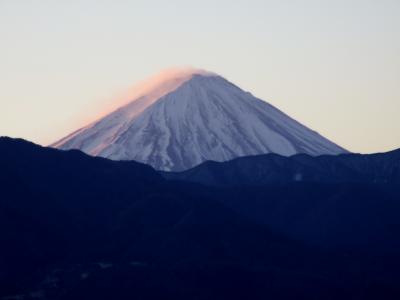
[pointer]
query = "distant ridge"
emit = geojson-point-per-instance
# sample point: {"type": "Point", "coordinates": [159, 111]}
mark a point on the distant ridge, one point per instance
{"type": "Point", "coordinates": [273, 168]}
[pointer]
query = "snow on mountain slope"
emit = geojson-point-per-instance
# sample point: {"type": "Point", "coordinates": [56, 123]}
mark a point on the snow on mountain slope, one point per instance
{"type": "Point", "coordinates": [193, 116]}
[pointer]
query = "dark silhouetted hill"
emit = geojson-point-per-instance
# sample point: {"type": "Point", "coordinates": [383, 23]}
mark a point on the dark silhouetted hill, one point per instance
{"type": "Point", "coordinates": [78, 227]}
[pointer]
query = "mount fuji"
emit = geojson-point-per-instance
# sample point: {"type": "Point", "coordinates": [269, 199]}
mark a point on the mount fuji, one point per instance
{"type": "Point", "coordinates": [183, 118]}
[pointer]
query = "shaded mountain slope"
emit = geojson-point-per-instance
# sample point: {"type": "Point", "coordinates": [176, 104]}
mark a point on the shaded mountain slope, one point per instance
{"type": "Point", "coordinates": [77, 227]}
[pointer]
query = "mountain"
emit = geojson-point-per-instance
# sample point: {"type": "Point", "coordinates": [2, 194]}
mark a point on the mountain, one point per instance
{"type": "Point", "coordinates": [74, 226]}
{"type": "Point", "coordinates": [185, 118]}
{"type": "Point", "coordinates": [273, 169]}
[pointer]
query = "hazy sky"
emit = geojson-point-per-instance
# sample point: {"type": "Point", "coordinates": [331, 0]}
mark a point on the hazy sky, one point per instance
{"type": "Point", "coordinates": [332, 65]}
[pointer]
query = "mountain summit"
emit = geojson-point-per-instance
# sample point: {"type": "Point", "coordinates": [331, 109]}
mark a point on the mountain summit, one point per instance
{"type": "Point", "coordinates": [183, 118]}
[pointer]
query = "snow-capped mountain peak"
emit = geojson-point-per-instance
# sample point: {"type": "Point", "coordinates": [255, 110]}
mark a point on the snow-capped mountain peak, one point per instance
{"type": "Point", "coordinates": [181, 118]}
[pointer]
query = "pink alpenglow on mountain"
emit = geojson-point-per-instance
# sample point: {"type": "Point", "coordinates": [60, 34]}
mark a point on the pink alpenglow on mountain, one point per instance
{"type": "Point", "coordinates": [183, 118]}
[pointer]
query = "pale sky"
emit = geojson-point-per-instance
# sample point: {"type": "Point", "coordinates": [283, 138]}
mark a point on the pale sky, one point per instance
{"type": "Point", "coordinates": [332, 65]}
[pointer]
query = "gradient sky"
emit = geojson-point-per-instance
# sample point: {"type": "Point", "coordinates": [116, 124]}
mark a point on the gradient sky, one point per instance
{"type": "Point", "coordinates": [332, 65]}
